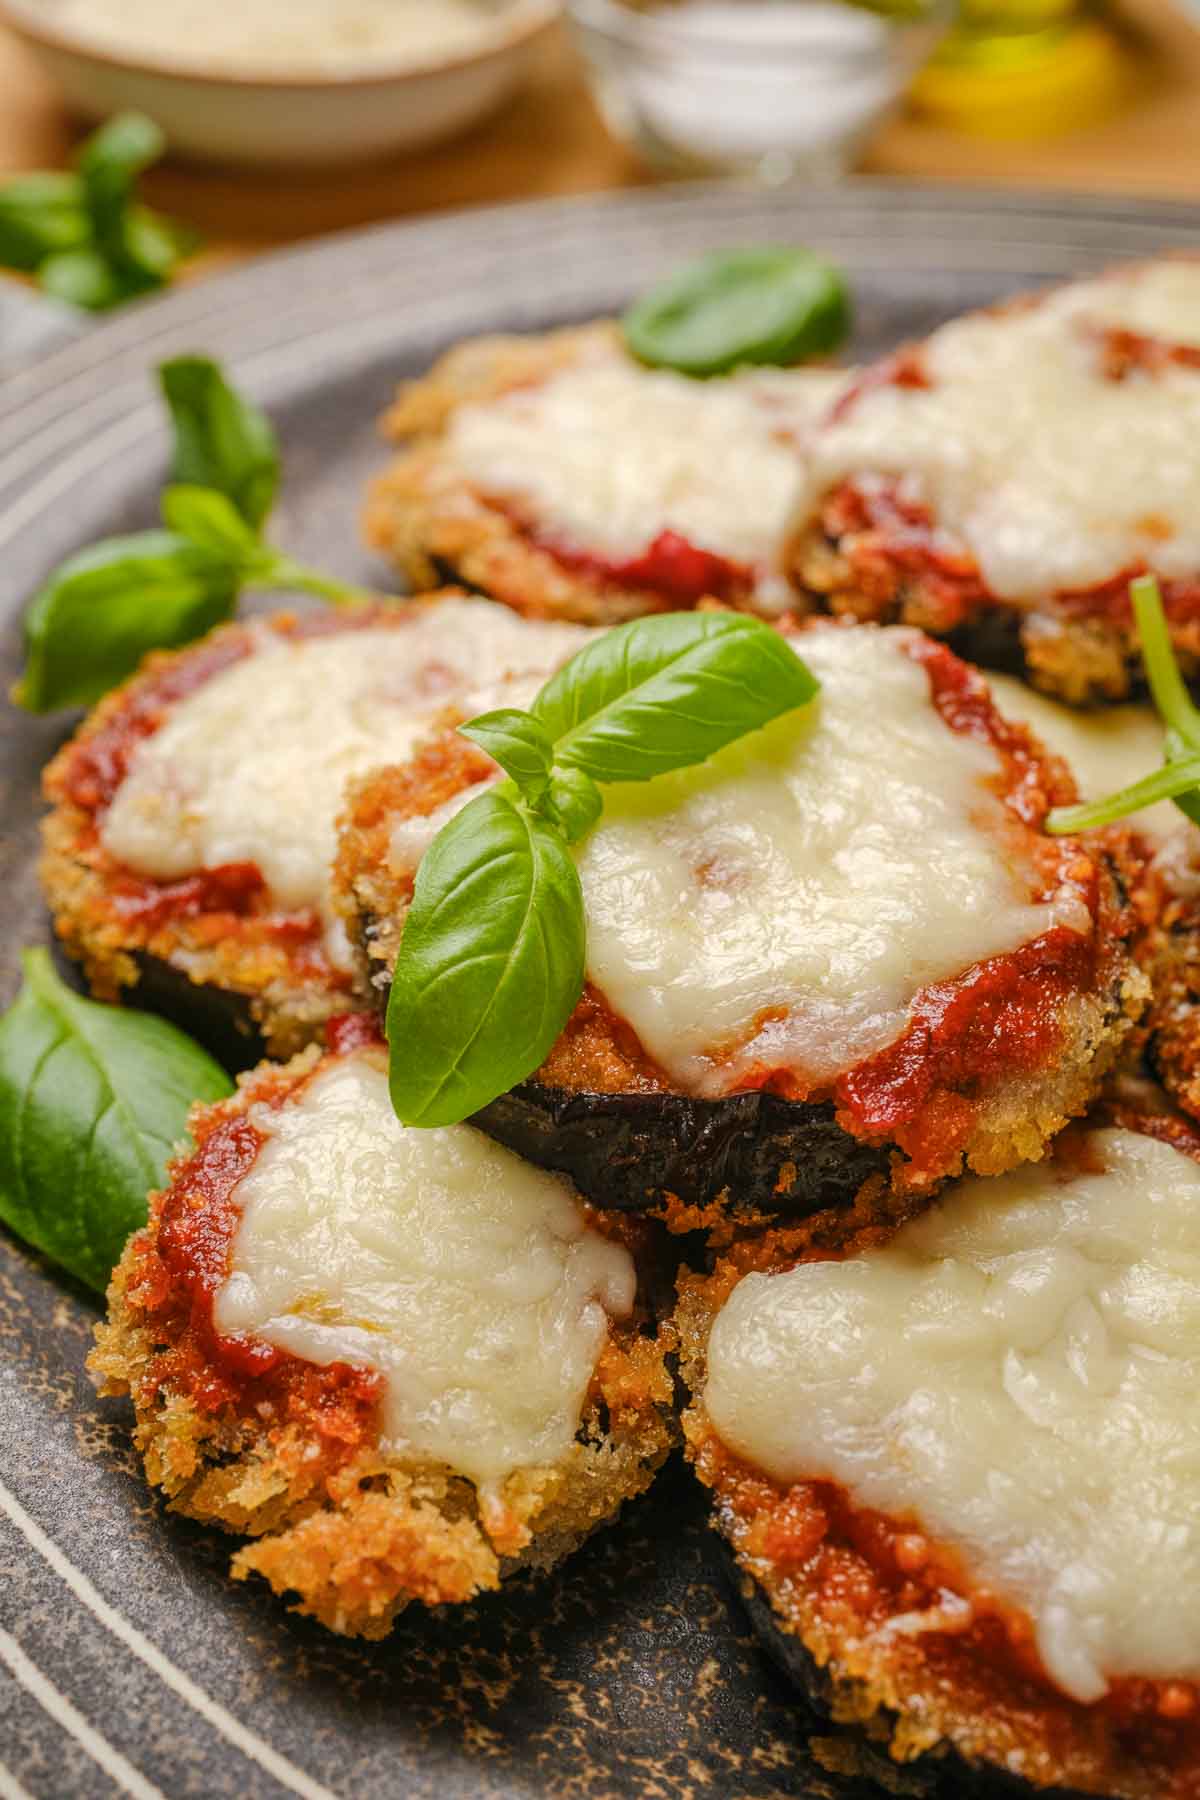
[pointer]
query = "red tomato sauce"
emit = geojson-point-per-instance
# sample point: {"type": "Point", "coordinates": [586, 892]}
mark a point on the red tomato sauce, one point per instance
{"type": "Point", "coordinates": [680, 572]}
{"type": "Point", "coordinates": [181, 1268]}
{"type": "Point", "coordinates": [1002, 1015]}
{"type": "Point", "coordinates": [218, 903]}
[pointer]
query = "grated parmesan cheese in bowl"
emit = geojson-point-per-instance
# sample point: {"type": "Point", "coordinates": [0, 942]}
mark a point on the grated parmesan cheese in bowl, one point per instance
{"type": "Point", "coordinates": [287, 83]}
{"type": "Point", "coordinates": [321, 37]}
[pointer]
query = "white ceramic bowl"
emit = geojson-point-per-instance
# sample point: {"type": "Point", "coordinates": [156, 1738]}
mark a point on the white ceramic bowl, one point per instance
{"type": "Point", "coordinates": [287, 120]}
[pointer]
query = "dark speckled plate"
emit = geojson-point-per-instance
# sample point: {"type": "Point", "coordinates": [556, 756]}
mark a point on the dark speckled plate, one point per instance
{"type": "Point", "coordinates": [128, 1661]}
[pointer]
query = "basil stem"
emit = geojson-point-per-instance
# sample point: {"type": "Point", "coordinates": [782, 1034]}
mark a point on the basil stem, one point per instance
{"type": "Point", "coordinates": [1179, 778]}
{"type": "Point", "coordinates": [279, 571]}
{"type": "Point", "coordinates": [492, 955]}
{"type": "Point", "coordinates": [761, 305]}
{"type": "Point", "coordinates": [93, 1101]}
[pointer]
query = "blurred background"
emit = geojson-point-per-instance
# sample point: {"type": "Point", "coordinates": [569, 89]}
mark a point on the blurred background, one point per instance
{"type": "Point", "coordinates": [289, 118]}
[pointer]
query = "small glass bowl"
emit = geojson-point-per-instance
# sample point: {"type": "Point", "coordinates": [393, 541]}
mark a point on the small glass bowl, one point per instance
{"type": "Point", "coordinates": [772, 90]}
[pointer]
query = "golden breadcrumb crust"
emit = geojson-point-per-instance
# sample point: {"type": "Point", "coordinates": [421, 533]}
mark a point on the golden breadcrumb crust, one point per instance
{"type": "Point", "coordinates": [824, 1579]}
{"type": "Point", "coordinates": [1080, 659]}
{"type": "Point", "coordinates": [431, 524]}
{"type": "Point", "coordinates": [269, 970]}
{"type": "Point", "coordinates": [291, 1460]}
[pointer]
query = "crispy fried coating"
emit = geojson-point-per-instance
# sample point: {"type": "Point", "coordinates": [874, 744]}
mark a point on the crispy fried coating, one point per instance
{"type": "Point", "coordinates": [291, 1460]}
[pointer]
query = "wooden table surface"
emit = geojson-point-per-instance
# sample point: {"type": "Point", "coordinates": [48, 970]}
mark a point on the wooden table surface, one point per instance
{"type": "Point", "coordinates": [551, 141]}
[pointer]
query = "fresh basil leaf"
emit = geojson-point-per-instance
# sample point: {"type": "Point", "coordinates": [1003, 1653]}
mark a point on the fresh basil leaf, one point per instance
{"type": "Point", "coordinates": [575, 801]}
{"type": "Point", "coordinates": [85, 278]}
{"type": "Point", "coordinates": [491, 962]}
{"type": "Point", "coordinates": [93, 1101]}
{"type": "Point", "coordinates": [109, 164]}
{"type": "Point", "coordinates": [213, 524]}
{"type": "Point", "coordinates": [764, 305]}
{"type": "Point", "coordinates": [102, 610]}
{"type": "Point", "coordinates": [519, 744]}
{"type": "Point", "coordinates": [40, 216]}
{"type": "Point", "coordinates": [664, 692]}
{"type": "Point", "coordinates": [156, 244]}
{"type": "Point", "coordinates": [222, 440]}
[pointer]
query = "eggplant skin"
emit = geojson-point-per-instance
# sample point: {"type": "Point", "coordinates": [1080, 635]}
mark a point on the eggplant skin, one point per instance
{"type": "Point", "coordinates": [220, 1019]}
{"type": "Point", "coordinates": [632, 1151]}
{"type": "Point", "coordinates": [943, 1774]}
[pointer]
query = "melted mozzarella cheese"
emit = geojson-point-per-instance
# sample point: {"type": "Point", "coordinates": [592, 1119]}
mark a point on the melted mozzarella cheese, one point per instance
{"type": "Point", "coordinates": [783, 903]}
{"type": "Point", "coordinates": [1017, 1370]}
{"type": "Point", "coordinates": [1105, 750]}
{"type": "Point", "coordinates": [253, 765]}
{"type": "Point", "coordinates": [1052, 475]}
{"type": "Point", "coordinates": [607, 455]}
{"type": "Point", "coordinates": [465, 1276]}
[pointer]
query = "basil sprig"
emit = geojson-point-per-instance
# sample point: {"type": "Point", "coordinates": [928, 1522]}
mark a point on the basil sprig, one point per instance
{"type": "Point", "coordinates": [1179, 778]}
{"type": "Point", "coordinates": [769, 304]}
{"type": "Point", "coordinates": [83, 233]}
{"type": "Point", "coordinates": [103, 609]}
{"type": "Point", "coordinates": [93, 1101]}
{"type": "Point", "coordinates": [492, 956]}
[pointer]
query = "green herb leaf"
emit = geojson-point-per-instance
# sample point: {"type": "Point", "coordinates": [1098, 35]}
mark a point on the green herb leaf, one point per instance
{"type": "Point", "coordinates": [664, 692]}
{"type": "Point", "coordinates": [109, 164]}
{"type": "Point", "coordinates": [764, 305]}
{"type": "Point", "coordinates": [491, 961]}
{"type": "Point", "coordinates": [93, 1100]}
{"type": "Point", "coordinates": [222, 440]}
{"type": "Point", "coordinates": [519, 744]}
{"type": "Point", "coordinates": [211, 522]}
{"type": "Point", "coordinates": [40, 216]}
{"type": "Point", "coordinates": [102, 610]}
{"type": "Point", "coordinates": [1179, 778]}
{"type": "Point", "coordinates": [156, 243]}
{"type": "Point", "coordinates": [575, 801]}
{"type": "Point", "coordinates": [85, 278]}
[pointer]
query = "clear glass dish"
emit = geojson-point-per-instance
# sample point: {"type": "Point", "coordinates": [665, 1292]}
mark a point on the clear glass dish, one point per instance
{"type": "Point", "coordinates": [773, 90]}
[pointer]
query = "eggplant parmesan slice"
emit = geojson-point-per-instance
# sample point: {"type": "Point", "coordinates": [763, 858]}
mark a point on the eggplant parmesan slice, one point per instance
{"type": "Point", "coordinates": [559, 475]}
{"type": "Point", "coordinates": [193, 825]}
{"type": "Point", "coordinates": [840, 956]}
{"type": "Point", "coordinates": [999, 483]}
{"type": "Point", "coordinates": [959, 1468]}
{"type": "Point", "coordinates": [404, 1364]}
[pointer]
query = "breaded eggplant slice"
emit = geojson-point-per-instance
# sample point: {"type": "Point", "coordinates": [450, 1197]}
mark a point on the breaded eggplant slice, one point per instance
{"type": "Point", "coordinates": [404, 1364]}
{"type": "Point", "coordinates": [959, 1470]}
{"type": "Point", "coordinates": [187, 854]}
{"type": "Point", "coordinates": [842, 952]}
{"type": "Point", "coordinates": [557, 474]}
{"type": "Point", "coordinates": [999, 483]}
